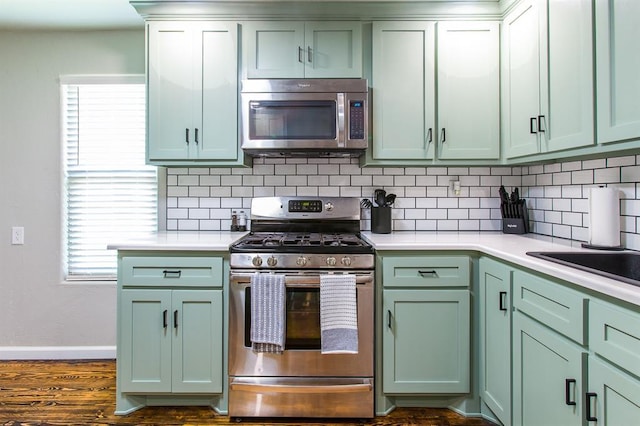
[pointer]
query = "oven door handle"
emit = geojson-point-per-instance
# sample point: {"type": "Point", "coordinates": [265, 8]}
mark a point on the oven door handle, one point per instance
{"type": "Point", "coordinates": [311, 280]}
{"type": "Point", "coordinates": [309, 387]}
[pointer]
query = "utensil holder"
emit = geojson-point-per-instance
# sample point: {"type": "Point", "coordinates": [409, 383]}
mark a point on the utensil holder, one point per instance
{"type": "Point", "coordinates": [381, 220]}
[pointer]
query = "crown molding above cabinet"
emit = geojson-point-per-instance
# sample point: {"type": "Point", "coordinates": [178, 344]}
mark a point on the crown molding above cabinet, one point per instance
{"type": "Point", "coordinates": [329, 9]}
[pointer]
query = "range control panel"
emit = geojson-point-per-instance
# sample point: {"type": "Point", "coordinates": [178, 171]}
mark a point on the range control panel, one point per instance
{"type": "Point", "coordinates": [356, 120]}
{"type": "Point", "coordinates": [305, 206]}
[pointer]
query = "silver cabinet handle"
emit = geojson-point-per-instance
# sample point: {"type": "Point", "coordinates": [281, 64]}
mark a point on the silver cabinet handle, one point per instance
{"type": "Point", "coordinates": [309, 55]}
{"type": "Point", "coordinates": [300, 54]}
{"type": "Point", "coordinates": [429, 273]}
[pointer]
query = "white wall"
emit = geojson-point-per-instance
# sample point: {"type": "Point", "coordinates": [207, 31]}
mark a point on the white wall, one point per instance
{"type": "Point", "coordinates": [36, 308]}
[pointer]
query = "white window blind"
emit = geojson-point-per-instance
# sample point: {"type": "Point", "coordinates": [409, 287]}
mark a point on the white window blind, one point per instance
{"type": "Point", "coordinates": [110, 194]}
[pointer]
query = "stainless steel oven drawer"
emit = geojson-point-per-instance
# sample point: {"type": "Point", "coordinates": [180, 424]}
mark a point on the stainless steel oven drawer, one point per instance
{"type": "Point", "coordinates": [301, 397]}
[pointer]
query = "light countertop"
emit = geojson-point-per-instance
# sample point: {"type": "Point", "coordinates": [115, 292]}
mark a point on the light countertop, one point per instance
{"type": "Point", "coordinates": [180, 240]}
{"type": "Point", "coordinates": [510, 248]}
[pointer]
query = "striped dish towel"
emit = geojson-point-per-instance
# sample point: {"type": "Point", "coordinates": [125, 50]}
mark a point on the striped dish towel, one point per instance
{"type": "Point", "coordinates": [267, 313]}
{"type": "Point", "coordinates": [338, 314]}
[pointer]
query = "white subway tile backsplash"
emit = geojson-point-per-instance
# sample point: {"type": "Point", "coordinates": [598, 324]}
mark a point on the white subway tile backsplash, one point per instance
{"type": "Point", "coordinates": [557, 194]}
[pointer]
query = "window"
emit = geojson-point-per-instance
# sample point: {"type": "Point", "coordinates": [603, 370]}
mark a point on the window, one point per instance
{"type": "Point", "coordinates": [109, 192]}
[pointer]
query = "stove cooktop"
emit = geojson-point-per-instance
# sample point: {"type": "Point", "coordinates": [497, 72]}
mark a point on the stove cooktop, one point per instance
{"type": "Point", "coordinates": [276, 242]}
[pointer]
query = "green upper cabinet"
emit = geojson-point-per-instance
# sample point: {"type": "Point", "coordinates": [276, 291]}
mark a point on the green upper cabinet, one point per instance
{"type": "Point", "coordinates": [283, 49]}
{"type": "Point", "coordinates": [403, 90]}
{"type": "Point", "coordinates": [468, 107]}
{"type": "Point", "coordinates": [548, 97]}
{"type": "Point", "coordinates": [192, 93]}
{"type": "Point", "coordinates": [407, 126]}
{"type": "Point", "coordinates": [618, 68]}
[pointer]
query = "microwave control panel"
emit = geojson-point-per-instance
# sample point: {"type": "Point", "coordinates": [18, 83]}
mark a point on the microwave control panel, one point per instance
{"type": "Point", "coordinates": [356, 120]}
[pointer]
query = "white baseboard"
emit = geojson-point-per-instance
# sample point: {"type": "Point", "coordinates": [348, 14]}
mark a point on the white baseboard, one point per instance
{"type": "Point", "coordinates": [56, 352]}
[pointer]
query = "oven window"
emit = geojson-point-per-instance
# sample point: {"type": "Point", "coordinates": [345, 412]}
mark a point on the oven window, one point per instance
{"type": "Point", "coordinates": [302, 322]}
{"type": "Point", "coordinates": [292, 120]}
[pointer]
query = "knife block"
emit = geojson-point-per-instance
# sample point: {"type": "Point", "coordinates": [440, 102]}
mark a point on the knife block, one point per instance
{"type": "Point", "coordinates": [381, 220]}
{"type": "Point", "coordinates": [514, 226]}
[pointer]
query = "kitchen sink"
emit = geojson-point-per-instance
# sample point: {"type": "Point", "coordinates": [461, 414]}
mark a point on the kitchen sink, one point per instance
{"type": "Point", "coordinates": [623, 266]}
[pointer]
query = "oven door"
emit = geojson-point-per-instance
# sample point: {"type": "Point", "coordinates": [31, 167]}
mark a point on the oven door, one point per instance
{"type": "Point", "coordinates": [302, 356]}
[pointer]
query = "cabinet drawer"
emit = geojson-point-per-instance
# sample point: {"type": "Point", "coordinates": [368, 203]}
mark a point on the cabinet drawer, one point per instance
{"type": "Point", "coordinates": [425, 271]}
{"type": "Point", "coordinates": [172, 271]}
{"type": "Point", "coordinates": [614, 333]}
{"type": "Point", "coordinates": [549, 302]}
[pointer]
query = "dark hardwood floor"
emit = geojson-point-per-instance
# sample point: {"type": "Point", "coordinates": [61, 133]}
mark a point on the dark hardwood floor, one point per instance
{"type": "Point", "coordinates": [83, 393]}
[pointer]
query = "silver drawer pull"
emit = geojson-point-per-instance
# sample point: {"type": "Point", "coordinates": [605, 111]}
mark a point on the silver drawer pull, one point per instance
{"type": "Point", "coordinates": [428, 274]}
{"type": "Point", "coordinates": [169, 273]}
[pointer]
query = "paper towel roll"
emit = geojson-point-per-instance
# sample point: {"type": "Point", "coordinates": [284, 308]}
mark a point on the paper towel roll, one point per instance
{"type": "Point", "coordinates": [604, 217]}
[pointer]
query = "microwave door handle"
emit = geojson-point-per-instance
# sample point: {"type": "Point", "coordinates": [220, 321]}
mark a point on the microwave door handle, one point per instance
{"type": "Point", "coordinates": [341, 120]}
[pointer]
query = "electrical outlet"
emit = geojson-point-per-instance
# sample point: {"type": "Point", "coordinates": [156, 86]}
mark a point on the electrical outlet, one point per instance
{"type": "Point", "coordinates": [17, 235]}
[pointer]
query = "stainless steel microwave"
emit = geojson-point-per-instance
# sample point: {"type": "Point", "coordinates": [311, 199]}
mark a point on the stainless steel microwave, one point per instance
{"type": "Point", "coordinates": [305, 117]}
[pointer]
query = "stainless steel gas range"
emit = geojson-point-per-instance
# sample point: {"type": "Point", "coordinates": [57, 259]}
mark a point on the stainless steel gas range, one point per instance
{"type": "Point", "coordinates": [301, 239]}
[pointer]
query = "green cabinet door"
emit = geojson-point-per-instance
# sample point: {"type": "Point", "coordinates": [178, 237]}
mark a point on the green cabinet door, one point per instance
{"type": "Point", "coordinates": [618, 66]}
{"type": "Point", "coordinates": [548, 376]}
{"type": "Point", "coordinates": [333, 49]}
{"type": "Point", "coordinates": [468, 90]}
{"type": "Point", "coordinates": [285, 49]}
{"type": "Point", "coordinates": [273, 49]}
{"type": "Point", "coordinates": [192, 88]}
{"type": "Point", "coordinates": [613, 398]}
{"type": "Point", "coordinates": [144, 351]}
{"type": "Point", "coordinates": [566, 97]}
{"type": "Point", "coordinates": [521, 81]}
{"type": "Point", "coordinates": [170, 83]}
{"type": "Point", "coordinates": [216, 96]}
{"type": "Point", "coordinates": [426, 341]}
{"type": "Point", "coordinates": [171, 341]}
{"type": "Point", "coordinates": [403, 90]}
{"type": "Point", "coordinates": [495, 338]}
{"type": "Point", "coordinates": [197, 345]}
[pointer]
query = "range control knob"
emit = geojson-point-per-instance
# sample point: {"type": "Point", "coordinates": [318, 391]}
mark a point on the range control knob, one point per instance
{"type": "Point", "coordinates": [257, 261]}
{"type": "Point", "coordinates": [272, 261]}
{"type": "Point", "coordinates": [328, 207]}
{"type": "Point", "coordinates": [331, 261]}
{"type": "Point", "coordinates": [301, 261]}
{"type": "Point", "coordinates": [346, 261]}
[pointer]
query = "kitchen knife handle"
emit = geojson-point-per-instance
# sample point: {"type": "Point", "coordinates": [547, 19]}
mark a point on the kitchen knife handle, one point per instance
{"type": "Point", "coordinates": [589, 415]}
{"type": "Point", "coordinates": [175, 319]}
{"type": "Point", "coordinates": [186, 136]}
{"type": "Point", "coordinates": [533, 123]}
{"type": "Point", "coordinates": [164, 319]}
{"type": "Point", "coordinates": [502, 295]}
{"type": "Point", "coordinates": [567, 391]}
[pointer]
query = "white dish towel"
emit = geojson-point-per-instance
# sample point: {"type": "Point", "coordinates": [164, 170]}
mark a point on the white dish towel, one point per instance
{"type": "Point", "coordinates": [268, 317]}
{"type": "Point", "coordinates": [338, 314]}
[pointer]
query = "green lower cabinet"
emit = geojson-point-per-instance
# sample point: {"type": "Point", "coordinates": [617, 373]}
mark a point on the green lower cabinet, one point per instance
{"type": "Point", "coordinates": [426, 341]}
{"type": "Point", "coordinates": [495, 338]}
{"type": "Point", "coordinates": [548, 376]}
{"type": "Point", "coordinates": [171, 341]}
{"type": "Point", "coordinates": [614, 397]}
